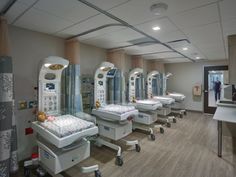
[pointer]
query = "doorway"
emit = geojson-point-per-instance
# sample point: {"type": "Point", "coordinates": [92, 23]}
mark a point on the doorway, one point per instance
{"type": "Point", "coordinates": [215, 79]}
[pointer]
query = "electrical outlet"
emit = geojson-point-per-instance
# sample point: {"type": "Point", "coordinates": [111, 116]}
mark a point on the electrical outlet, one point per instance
{"type": "Point", "coordinates": [32, 104]}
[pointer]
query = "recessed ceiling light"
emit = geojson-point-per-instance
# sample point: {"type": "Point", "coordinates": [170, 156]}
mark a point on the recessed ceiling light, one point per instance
{"type": "Point", "coordinates": [197, 58]}
{"type": "Point", "coordinates": [156, 28]}
{"type": "Point", "coordinates": [185, 48]}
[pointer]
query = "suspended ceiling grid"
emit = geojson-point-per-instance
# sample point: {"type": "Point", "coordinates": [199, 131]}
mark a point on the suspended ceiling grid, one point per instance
{"type": "Point", "coordinates": [204, 23]}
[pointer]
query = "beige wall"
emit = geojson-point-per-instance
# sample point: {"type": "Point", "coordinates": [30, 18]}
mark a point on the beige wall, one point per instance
{"type": "Point", "coordinates": [117, 58]}
{"type": "Point", "coordinates": [128, 66]}
{"type": "Point", "coordinates": [185, 75]}
{"type": "Point", "coordinates": [155, 65]}
{"type": "Point", "coordinates": [90, 58]}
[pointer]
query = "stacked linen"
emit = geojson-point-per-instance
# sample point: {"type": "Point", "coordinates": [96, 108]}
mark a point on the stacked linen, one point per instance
{"type": "Point", "coordinates": [148, 105]}
{"type": "Point", "coordinates": [177, 96]}
{"type": "Point", "coordinates": [147, 102]}
{"type": "Point", "coordinates": [119, 109]}
{"type": "Point", "coordinates": [164, 100]}
{"type": "Point", "coordinates": [66, 125]}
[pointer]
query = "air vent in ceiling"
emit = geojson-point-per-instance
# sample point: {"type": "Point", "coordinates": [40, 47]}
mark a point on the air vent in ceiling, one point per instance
{"type": "Point", "coordinates": [144, 41]}
{"type": "Point", "coordinates": [179, 43]}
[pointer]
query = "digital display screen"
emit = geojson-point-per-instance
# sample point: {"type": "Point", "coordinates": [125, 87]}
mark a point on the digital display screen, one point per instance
{"type": "Point", "coordinates": [111, 73]}
{"type": "Point", "coordinates": [50, 86]}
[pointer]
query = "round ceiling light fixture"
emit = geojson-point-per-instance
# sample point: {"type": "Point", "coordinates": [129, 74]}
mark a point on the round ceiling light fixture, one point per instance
{"type": "Point", "coordinates": [158, 8]}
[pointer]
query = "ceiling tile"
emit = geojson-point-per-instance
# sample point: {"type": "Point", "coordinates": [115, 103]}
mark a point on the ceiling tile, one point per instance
{"type": "Point", "coordinates": [196, 17]}
{"type": "Point", "coordinates": [176, 60]}
{"type": "Point", "coordinates": [16, 10]}
{"type": "Point", "coordinates": [101, 32]}
{"type": "Point", "coordinates": [214, 52]}
{"type": "Point", "coordinates": [106, 44]}
{"type": "Point", "coordinates": [107, 4]}
{"type": "Point", "coordinates": [164, 23]}
{"type": "Point", "coordinates": [42, 22]}
{"type": "Point", "coordinates": [71, 10]}
{"type": "Point", "coordinates": [191, 52]}
{"type": "Point", "coordinates": [229, 27]}
{"type": "Point", "coordinates": [162, 55]}
{"type": "Point", "coordinates": [27, 2]}
{"type": "Point", "coordinates": [227, 8]}
{"type": "Point", "coordinates": [205, 34]}
{"type": "Point", "coordinates": [3, 3]}
{"type": "Point", "coordinates": [139, 50]}
{"type": "Point", "coordinates": [122, 35]}
{"type": "Point", "coordinates": [207, 39]}
{"type": "Point", "coordinates": [89, 24]}
{"type": "Point", "coordinates": [137, 11]}
{"type": "Point", "coordinates": [134, 12]}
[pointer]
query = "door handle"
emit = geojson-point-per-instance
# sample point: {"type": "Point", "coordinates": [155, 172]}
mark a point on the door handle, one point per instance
{"type": "Point", "coordinates": [206, 91]}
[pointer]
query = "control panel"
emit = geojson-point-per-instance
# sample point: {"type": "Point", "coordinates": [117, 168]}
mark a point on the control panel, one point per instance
{"type": "Point", "coordinates": [50, 97]}
{"type": "Point", "coordinates": [152, 80]}
{"type": "Point", "coordinates": [134, 74]}
{"type": "Point", "coordinates": [132, 88]}
{"type": "Point", "coordinates": [50, 85]}
{"type": "Point", "coordinates": [101, 91]}
{"type": "Point", "coordinates": [100, 82]}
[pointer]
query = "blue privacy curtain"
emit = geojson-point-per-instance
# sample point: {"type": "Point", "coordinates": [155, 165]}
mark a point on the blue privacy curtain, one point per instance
{"type": "Point", "coordinates": [8, 141]}
{"type": "Point", "coordinates": [71, 89]}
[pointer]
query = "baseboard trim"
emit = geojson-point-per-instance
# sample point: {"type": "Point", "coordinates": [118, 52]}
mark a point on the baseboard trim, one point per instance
{"type": "Point", "coordinates": [197, 111]}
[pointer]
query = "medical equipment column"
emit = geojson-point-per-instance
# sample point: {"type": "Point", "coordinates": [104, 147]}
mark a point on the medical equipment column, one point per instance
{"type": "Point", "coordinates": [147, 108]}
{"type": "Point", "coordinates": [165, 100]}
{"type": "Point", "coordinates": [179, 98]}
{"type": "Point", "coordinates": [61, 137]}
{"type": "Point", "coordinates": [114, 121]}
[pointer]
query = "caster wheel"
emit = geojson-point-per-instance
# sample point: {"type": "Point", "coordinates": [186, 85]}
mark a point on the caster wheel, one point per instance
{"type": "Point", "coordinates": [162, 130]}
{"type": "Point", "coordinates": [174, 120]}
{"type": "Point", "coordinates": [168, 124]}
{"type": "Point", "coordinates": [119, 161]}
{"type": "Point", "coordinates": [40, 172]}
{"type": "Point", "coordinates": [153, 137]}
{"type": "Point", "coordinates": [98, 173]}
{"type": "Point", "coordinates": [26, 172]}
{"type": "Point", "coordinates": [137, 148]}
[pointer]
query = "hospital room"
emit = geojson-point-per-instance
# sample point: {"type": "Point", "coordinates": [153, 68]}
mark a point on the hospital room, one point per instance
{"type": "Point", "coordinates": [117, 88]}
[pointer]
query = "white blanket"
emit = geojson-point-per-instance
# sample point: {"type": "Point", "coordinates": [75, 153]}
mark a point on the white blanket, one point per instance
{"type": "Point", "coordinates": [177, 96]}
{"type": "Point", "coordinates": [164, 100]}
{"type": "Point", "coordinates": [66, 125]}
{"type": "Point", "coordinates": [119, 109]}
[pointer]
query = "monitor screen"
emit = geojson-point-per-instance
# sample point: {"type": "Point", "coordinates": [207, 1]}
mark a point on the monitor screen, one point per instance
{"type": "Point", "coordinates": [111, 73]}
{"type": "Point", "coordinates": [50, 86]}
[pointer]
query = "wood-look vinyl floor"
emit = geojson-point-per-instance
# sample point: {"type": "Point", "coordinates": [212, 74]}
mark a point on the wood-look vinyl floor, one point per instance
{"type": "Point", "coordinates": [187, 149]}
